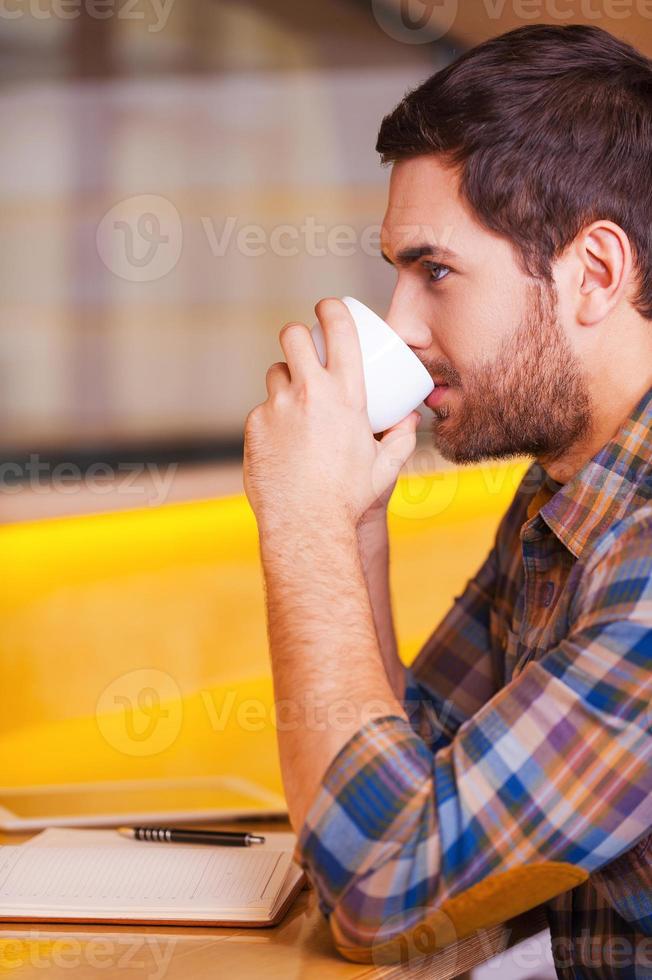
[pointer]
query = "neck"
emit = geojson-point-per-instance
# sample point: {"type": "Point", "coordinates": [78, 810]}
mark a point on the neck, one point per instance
{"type": "Point", "coordinates": [610, 408]}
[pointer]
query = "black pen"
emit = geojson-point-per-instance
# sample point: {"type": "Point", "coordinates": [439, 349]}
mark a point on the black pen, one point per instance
{"type": "Point", "coordinates": [181, 835]}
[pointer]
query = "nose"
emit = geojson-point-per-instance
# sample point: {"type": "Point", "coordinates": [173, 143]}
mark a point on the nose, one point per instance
{"type": "Point", "coordinates": [403, 317]}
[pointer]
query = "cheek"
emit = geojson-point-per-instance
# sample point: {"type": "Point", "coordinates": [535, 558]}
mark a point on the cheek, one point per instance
{"type": "Point", "coordinates": [469, 324]}
{"type": "Point", "coordinates": [482, 317]}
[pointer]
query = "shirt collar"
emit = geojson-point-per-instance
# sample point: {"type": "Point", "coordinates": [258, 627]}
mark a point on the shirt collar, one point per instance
{"type": "Point", "coordinates": [616, 480]}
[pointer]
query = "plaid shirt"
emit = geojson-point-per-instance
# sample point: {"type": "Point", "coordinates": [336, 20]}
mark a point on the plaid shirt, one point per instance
{"type": "Point", "coordinates": [529, 736]}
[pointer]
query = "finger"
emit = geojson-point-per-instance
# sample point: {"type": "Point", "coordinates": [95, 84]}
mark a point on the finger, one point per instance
{"type": "Point", "coordinates": [399, 442]}
{"type": "Point", "coordinates": [300, 352]}
{"type": "Point", "coordinates": [408, 424]}
{"type": "Point", "coordinates": [394, 450]}
{"type": "Point", "coordinates": [277, 378]}
{"type": "Point", "coordinates": [343, 354]}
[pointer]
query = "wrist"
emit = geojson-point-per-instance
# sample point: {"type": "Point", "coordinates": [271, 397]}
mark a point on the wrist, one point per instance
{"type": "Point", "coordinates": [373, 546]}
{"type": "Point", "coordinates": [372, 529]}
{"type": "Point", "coordinates": [300, 542]}
{"type": "Point", "coordinates": [374, 518]}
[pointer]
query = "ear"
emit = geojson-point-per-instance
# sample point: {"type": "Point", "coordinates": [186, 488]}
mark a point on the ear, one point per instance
{"type": "Point", "coordinates": [606, 263]}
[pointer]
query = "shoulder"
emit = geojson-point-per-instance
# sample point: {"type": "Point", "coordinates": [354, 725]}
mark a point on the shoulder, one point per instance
{"type": "Point", "coordinates": [627, 539]}
{"type": "Point", "coordinates": [617, 573]}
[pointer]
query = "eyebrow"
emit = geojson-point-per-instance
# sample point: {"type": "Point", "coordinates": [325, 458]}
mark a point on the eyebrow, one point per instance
{"type": "Point", "coordinates": [408, 256]}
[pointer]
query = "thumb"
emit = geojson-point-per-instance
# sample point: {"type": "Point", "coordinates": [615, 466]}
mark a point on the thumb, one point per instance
{"type": "Point", "coordinates": [396, 447]}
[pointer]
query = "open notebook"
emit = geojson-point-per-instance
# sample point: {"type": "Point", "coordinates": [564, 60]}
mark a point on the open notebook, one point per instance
{"type": "Point", "coordinates": [98, 876]}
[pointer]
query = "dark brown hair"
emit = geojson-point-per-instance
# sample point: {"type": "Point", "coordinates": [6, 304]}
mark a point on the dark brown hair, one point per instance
{"type": "Point", "coordinates": [551, 129]}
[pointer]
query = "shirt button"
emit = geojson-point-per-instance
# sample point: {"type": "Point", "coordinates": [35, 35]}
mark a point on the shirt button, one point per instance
{"type": "Point", "coordinates": [548, 593]}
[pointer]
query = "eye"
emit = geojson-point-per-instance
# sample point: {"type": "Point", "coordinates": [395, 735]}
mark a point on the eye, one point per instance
{"type": "Point", "coordinates": [436, 270]}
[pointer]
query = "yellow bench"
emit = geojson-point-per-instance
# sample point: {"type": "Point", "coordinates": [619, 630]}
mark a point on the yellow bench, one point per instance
{"type": "Point", "coordinates": [133, 644]}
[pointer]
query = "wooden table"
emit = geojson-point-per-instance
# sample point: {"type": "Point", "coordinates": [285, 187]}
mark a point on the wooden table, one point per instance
{"type": "Point", "coordinates": [299, 948]}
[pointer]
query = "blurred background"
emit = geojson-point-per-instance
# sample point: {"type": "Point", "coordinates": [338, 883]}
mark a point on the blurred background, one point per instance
{"type": "Point", "coordinates": [178, 179]}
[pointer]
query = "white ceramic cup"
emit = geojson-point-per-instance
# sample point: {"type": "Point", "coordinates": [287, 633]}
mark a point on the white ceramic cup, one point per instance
{"type": "Point", "coordinates": [395, 379]}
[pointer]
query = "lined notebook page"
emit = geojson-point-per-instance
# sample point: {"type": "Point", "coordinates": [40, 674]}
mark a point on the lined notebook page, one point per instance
{"type": "Point", "coordinates": [178, 879]}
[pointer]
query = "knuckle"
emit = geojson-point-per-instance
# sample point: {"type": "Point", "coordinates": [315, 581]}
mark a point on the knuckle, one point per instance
{"type": "Point", "coordinates": [253, 418]}
{"type": "Point", "coordinates": [280, 398]}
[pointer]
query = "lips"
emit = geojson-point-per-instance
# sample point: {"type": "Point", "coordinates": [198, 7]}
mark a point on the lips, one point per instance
{"type": "Point", "coordinates": [436, 396]}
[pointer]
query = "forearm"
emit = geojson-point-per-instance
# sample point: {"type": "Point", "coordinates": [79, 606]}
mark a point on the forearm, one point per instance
{"type": "Point", "coordinates": [373, 543]}
{"type": "Point", "coordinates": [328, 672]}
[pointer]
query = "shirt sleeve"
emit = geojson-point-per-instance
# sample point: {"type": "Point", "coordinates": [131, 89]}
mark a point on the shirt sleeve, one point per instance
{"type": "Point", "coordinates": [552, 775]}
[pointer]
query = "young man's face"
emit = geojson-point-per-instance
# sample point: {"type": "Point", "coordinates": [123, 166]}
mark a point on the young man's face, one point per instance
{"type": "Point", "coordinates": [480, 325]}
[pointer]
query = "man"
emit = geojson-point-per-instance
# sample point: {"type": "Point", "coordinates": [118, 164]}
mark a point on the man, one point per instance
{"type": "Point", "coordinates": [511, 766]}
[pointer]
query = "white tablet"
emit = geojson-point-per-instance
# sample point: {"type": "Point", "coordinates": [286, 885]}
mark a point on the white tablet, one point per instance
{"type": "Point", "coordinates": [131, 802]}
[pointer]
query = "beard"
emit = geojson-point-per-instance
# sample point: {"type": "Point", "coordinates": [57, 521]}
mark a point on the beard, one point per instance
{"type": "Point", "coordinates": [532, 399]}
